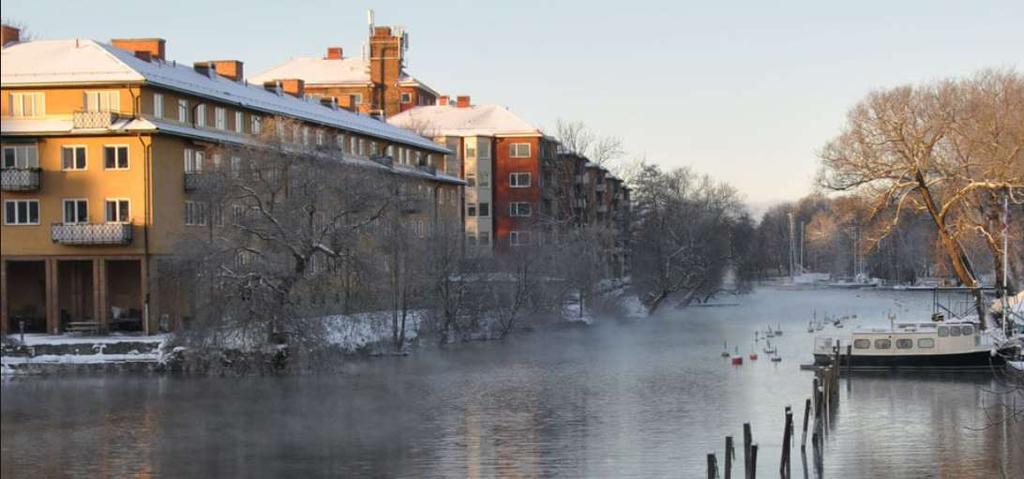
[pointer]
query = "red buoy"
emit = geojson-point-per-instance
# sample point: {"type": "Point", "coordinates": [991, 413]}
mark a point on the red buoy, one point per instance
{"type": "Point", "coordinates": [753, 356]}
{"type": "Point", "coordinates": [738, 360]}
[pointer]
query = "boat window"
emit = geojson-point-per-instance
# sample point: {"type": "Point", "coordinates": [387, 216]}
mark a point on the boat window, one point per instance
{"type": "Point", "coordinates": [954, 330]}
{"type": "Point", "coordinates": [967, 330]}
{"type": "Point", "coordinates": [904, 343]}
{"type": "Point", "coordinates": [943, 331]}
{"type": "Point", "coordinates": [926, 343]}
{"type": "Point", "coordinates": [862, 343]}
{"type": "Point", "coordinates": [883, 344]}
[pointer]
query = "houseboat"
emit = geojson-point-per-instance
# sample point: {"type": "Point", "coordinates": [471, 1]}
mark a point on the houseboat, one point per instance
{"type": "Point", "coordinates": [943, 345]}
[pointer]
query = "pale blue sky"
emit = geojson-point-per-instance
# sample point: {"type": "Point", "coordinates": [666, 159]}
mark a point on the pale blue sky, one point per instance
{"type": "Point", "coordinates": [746, 91]}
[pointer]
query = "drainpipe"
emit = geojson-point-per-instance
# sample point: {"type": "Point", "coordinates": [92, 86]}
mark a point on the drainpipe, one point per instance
{"type": "Point", "coordinates": [147, 158]}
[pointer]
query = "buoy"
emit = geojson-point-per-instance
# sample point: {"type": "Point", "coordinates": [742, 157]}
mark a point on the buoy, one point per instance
{"type": "Point", "coordinates": [753, 356]}
{"type": "Point", "coordinates": [738, 360]}
{"type": "Point", "coordinates": [776, 359]}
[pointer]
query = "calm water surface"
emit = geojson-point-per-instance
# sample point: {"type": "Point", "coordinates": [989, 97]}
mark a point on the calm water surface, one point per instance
{"type": "Point", "coordinates": [644, 398]}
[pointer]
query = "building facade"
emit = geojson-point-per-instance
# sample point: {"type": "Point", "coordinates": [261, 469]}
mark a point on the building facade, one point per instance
{"type": "Point", "coordinates": [373, 82]}
{"type": "Point", "coordinates": [102, 146]}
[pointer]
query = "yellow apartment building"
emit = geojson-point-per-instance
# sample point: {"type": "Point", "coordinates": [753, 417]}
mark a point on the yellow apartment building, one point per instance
{"type": "Point", "coordinates": [101, 146]}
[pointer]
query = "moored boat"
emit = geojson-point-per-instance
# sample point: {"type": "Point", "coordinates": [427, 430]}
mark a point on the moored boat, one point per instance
{"type": "Point", "coordinates": [943, 345]}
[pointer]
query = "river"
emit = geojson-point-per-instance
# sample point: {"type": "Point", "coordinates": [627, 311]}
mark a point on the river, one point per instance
{"type": "Point", "coordinates": [639, 398]}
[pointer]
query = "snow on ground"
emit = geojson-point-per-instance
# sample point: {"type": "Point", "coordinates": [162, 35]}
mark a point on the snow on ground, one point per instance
{"type": "Point", "coordinates": [39, 339]}
{"type": "Point", "coordinates": [356, 331]}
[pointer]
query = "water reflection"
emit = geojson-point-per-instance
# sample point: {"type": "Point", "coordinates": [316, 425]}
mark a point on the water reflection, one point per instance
{"type": "Point", "coordinates": [630, 399]}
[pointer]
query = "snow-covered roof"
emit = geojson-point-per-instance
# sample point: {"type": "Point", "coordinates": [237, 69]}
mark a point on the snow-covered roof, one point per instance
{"type": "Point", "coordinates": [330, 71]}
{"type": "Point", "coordinates": [77, 61]}
{"type": "Point", "coordinates": [476, 120]}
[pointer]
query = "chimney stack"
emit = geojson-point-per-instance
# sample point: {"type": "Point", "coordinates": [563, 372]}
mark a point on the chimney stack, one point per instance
{"type": "Point", "coordinates": [155, 46]}
{"type": "Point", "coordinates": [230, 69]}
{"type": "Point", "coordinates": [462, 101]}
{"type": "Point", "coordinates": [443, 100]}
{"type": "Point", "coordinates": [9, 34]}
{"type": "Point", "coordinates": [292, 86]}
{"type": "Point", "coordinates": [335, 53]}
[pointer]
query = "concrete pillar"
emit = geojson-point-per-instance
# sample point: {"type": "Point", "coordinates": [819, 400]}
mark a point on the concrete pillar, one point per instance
{"type": "Point", "coordinates": [3, 296]}
{"type": "Point", "coordinates": [99, 286]}
{"type": "Point", "coordinates": [144, 290]}
{"type": "Point", "coordinates": [52, 300]}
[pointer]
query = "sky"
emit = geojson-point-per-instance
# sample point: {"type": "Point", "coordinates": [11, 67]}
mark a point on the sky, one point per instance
{"type": "Point", "coordinates": [747, 91]}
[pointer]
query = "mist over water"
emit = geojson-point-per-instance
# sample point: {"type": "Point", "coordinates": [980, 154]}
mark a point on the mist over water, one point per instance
{"type": "Point", "coordinates": [624, 398]}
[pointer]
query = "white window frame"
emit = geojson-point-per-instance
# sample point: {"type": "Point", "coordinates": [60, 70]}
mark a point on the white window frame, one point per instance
{"type": "Point", "coordinates": [85, 157]}
{"type": "Point", "coordinates": [21, 157]}
{"type": "Point", "coordinates": [117, 209]}
{"type": "Point", "coordinates": [480, 235]}
{"type": "Point", "coordinates": [239, 122]}
{"type": "Point", "coordinates": [515, 238]}
{"type": "Point", "coordinates": [515, 209]}
{"type": "Point", "coordinates": [515, 179]}
{"type": "Point", "coordinates": [201, 115]}
{"type": "Point", "coordinates": [117, 166]}
{"type": "Point", "coordinates": [77, 202]}
{"type": "Point", "coordinates": [472, 211]}
{"type": "Point", "coordinates": [256, 124]}
{"type": "Point", "coordinates": [158, 105]}
{"type": "Point", "coordinates": [194, 160]}
{"type": "Point", "coordinates": [195, 213]}
{"type": "Point", "coordinates": [102, 100]}
{"type": "Point", "coordinates": [17, 219]}
{"type": "Point", "coordinates": [220, 118]}
{"type": "Point", "coordinates": [406, 98]}
{"type": "Point", "coordinates": [483, 150]}
{"type": "Point", "coordinates": [480, 205]}
{"type": "Point", "coordinates": [514, 150]}
{"type": "Point", "coordinates": [483, 179]}
{"type": "Point", "coordinates": [357, 99]}
{"type": "Point", "coordinates": [37, 101]}
{"type": "Point", "coordinates": [183, 108]}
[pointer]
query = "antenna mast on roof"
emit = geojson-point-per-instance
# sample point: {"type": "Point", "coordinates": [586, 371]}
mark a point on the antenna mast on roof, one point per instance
{"type": "Point", "coordinates": [369, 20]}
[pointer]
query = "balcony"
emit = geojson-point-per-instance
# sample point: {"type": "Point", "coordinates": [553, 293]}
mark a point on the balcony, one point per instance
{"type": "Point", "coordinates": [20, 179]}
{"type": "Point", "coordinates": [193, 181]}
{"type": "Point", "coordinates": [91, 234]}
{"type": "Point", "coordinates": [601, 187]}
{"type": "Point", "coordinates": [93, 119]}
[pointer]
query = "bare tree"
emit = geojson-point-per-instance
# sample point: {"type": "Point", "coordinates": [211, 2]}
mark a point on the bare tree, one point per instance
{"type": "Point", "coordinates": [914, 148]}
{"type": "Point", "coordinates": [577, 137]}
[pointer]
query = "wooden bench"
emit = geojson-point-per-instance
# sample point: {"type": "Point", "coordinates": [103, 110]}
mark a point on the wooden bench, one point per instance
{"type": "Point", "coordinates": [92, 327]}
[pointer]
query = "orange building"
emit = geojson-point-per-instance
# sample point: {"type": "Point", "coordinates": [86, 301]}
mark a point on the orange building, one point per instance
{"type": "Point", "coordinates": [100, 142]}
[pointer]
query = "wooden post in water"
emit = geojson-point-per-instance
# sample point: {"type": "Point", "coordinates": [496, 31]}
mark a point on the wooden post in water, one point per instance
{"type": "Point", "coordinates": [787, 436]}
{"type": "Point", "coordinates": [753, 461]}
{"type": "Point", "coordinates": [712, 466]}
{"type": "Point", "coordinates": [807, 412]}
{"type": "Point", "coordinates": [730, 454]}
{"type": "Point", "coordinates": [747, 439]}
{"type": "Point", "coordinates": [849, 360]}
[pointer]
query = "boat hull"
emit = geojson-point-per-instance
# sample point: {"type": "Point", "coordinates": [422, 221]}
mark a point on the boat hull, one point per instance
{"type": "Point", "coordinates": [965, 360]}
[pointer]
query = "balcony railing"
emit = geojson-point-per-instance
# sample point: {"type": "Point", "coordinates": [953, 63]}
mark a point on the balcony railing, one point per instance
{"type": "Point", "coordinates": [20, 179]}
{"type": "Point", "coordinates": [193, 180]}
{"type": "Point", "coordinates": [93, 119]}
{"type": "Point", "coordinates": [87, 234]}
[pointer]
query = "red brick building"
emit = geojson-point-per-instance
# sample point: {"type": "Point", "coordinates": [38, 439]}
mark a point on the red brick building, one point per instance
{"type": "Point", "coordinates": [372, 82]}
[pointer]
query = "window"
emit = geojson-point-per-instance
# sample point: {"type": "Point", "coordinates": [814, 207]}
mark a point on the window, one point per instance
{"type": "Point", "coordinates": [319, 137]}
{"type": "Point", "coordinates": [362, 147]}
{"type": "Point", "coordinates": [470, 210]}
{"type": "Point", "coordinates": [21, 156]}
{"type": "Point", "coordinates": [862, 343]}
{"type": "Point", "coordinates": [519, 238]}
{"type": "Point", "coordinates": [72, 157]}
{"type": "Point", "coordinates": [194, 160]}
{"type": "Point", "coordinates": [201, 116]}
{"type": "Point", "coordinates": [471, 180]}
{"type": "Point", "coordinates": [485, 209]}
{"type": "Point", "coordinates": [256, 125]}
{"type": "Point", "coordinates": [904, 343]}
{"type": "Point", "coordinates": [158, 105]}
{"type": "Point", "coordinates": [195, 213]}
{"type": "Point", "coordinates": [406, 97]}
{"type": "Point", "coordinates": [220, 118]}
{"type": "Point", "coordinates": [374, 148]}
{"type": "Point", "coordinates": [954, 331]}
{"type": "Point", "coordinates": [118, 211]}
{"type": "Point", "coordinates": [305, 135]}
{"type": "Point", "coordinates": [339, 140]}
{"type": "Point", "coordinates": [926, 343]}
{"type": "Point", "coordinates": [21, 212]}
{"type": "Point", "coordinates": [967, 330]}
{"type": "Point", "coordinates": [519, 150]}
{"type": "Point", "coordinates": [519, 180]}
{"type": "Point", "coordinates": [356, 98]}
{"type": "Point", "coordinates": [484, 179]}
{"type": "Point", "coordinates": [236, 166]}
{"type": "Point", "coordinates": [883, 344]}
{"type": "Point", "coordinates": [239, 121]}
{"type": "Point", "coordinates": [519, 208]}
{"type": "Point", "coordinates": [109, 100]}
{"type": "Point", "coordinates": [352, 145]}
{"type": "Point", "coordinates": [76, 211]}
{"type": "Point", "coordinates": [470, 152]}
{"type": "Point", "coordinates": [182, 111]}
{"type": "Point", "coordinates": [484, 149]}
{"type": "Point", "coordinates": [484, 238]}
{"type": "Point", "coordinates": [115, 157]}
{"type": "Point", "coordinates": [470, 239]}
{"type": "Point", "coordinates": [943, 331]}
{"type": "Point", "coordinates": [28, 104]}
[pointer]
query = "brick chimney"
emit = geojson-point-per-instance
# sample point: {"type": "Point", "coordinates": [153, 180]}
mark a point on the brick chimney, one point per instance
{"type": "Point", "coordinates": [9, 34]}
{"type": "Point", "coordinates": [462, 101]}
{"type": "Point", "coordinates": [230, 69]}
{"type": "Point", "coordinates": [334, 53]}
{"type": "Point", "coordinates": [292, 86]}
{"type": "Point", "coordinates": [443, 100]}
{"type": "Point", "coordinates": [155, 46]}
{"type": "Point", "coordinates": [386, 62]}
